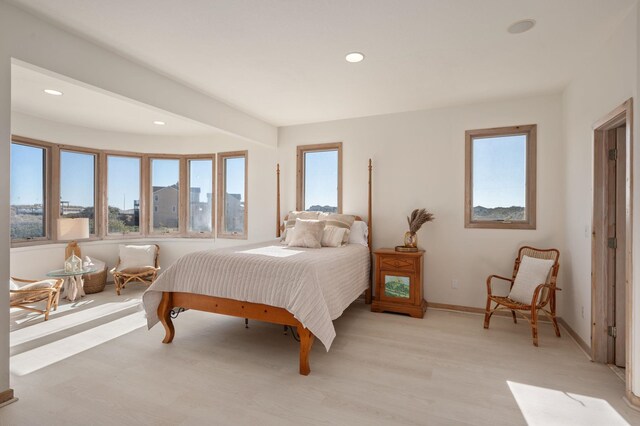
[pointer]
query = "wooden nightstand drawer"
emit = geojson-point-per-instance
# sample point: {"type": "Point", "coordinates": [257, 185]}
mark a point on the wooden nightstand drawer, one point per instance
{"type": "Point", "coordinates": [396, 263]}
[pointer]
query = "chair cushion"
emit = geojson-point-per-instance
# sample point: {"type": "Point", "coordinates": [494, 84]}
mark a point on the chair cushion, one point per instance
{"type": "Point", "coordinates": [531, 273]}
{"type": "Point", "coordinates": [17, 297]}
{"type": "Point", "coordinates": [13, 285]}
{"type": "Point", "coordinates": [307, 233]}
{"type": "Point", "coordinates": [136, 257]}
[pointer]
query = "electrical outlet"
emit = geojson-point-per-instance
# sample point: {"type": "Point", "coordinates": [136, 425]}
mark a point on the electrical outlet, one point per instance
{"type": "Point", "coordinates": [454, 283]}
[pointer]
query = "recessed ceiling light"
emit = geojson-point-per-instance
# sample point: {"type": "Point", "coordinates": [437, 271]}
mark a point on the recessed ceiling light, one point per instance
{"type": "Point", "coordinates": [53, 92]}
{"type": "Point", "coordinates": [159, 123]}
{"type": "Point", "coordinates": [521, 26]}
{"type": "Point", "coordinates": [354, 57]}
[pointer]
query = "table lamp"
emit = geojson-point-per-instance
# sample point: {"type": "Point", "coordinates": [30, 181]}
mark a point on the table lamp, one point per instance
{"type": "Point", "coordinates": [72, 230]}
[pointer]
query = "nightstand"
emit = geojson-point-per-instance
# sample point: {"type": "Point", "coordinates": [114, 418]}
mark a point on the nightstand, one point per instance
{"type": "Point", "coordinates": [399, 282]}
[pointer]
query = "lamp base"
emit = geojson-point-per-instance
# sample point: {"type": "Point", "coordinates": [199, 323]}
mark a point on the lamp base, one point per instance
{"type": "Point", "coordinates": [72, 248]}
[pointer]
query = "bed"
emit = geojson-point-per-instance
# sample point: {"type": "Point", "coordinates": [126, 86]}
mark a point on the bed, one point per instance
{"type": "Point", "coordinates": [302, 288]}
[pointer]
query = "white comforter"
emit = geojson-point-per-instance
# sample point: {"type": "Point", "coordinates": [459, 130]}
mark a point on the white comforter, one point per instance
{"type": "Point", "coordinates": [315, 285]}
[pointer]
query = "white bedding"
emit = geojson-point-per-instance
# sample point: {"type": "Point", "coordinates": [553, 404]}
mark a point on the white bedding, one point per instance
{"type": "Point", "coordinates": [315, 285]}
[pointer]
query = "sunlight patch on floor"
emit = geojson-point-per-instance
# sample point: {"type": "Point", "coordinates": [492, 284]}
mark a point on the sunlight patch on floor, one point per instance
{"type": "Point", "coordinates": [543, 406]}
{"type": "Point", "coordinates": [55, 325]}
{"type": "Point", "coordinates": [46, 355]}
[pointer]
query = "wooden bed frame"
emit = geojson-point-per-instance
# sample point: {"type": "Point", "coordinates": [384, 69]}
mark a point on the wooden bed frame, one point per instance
{"type": "Point", "coordinates": [249, 310]}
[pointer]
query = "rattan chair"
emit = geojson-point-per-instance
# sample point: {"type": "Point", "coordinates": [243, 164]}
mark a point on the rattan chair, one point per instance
{"type": "Point", "coordinates": [34, 292]}
{"type": "Point", "coordinates": [543, 298]}
{"type": "Point", "coordinates": [144, 275]}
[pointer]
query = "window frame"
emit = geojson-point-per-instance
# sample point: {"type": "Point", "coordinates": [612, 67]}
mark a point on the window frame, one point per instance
{"type": "Point", "coordinates": [52, 190]}
{"type": "Point", "coordinates": [222, 156]}
{"type": "Point", "coordinates": [47, 193]}
{"type": "Point", "coordinates": [301, 150]}
{"type": "Point", "coordinates": [187, 222]}
{"type": "Point", "coordinates": [530, 130]}
{"type": "Point", "coordinates": [97, 201]}
{"type": "Point", "coordinates": [105, 198]}
{"type": "Point", "coordinates": [181, 195]}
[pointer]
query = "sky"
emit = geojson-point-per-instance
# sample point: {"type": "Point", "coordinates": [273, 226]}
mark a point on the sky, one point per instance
{"type": "Point", "coordinates": [321, 178]}
{"type": "Point", "coordinates": [234, 168]}
{"type": "Point", "coordinates": [26, 174]}
{"type": "Point", "coordinates": [499, 171]}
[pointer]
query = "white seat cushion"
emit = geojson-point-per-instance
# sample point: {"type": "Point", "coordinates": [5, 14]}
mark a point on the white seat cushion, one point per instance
{"type": "Point", "coordinates": [531, 273]}
{"type": "Point", "coordinates": [13, 285]}
{"type": "Point", "coordinates": [17, 297]}
{"type": "Point", "coordinates": [137, 257]}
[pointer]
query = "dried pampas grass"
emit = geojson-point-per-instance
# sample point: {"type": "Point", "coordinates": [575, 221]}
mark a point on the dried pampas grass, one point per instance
{"type": "Point", "coordinates": [418, 218]}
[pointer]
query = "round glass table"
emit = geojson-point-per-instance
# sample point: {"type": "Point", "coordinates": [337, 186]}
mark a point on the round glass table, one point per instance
{"type": "Point", "coordinates": [73, 282]}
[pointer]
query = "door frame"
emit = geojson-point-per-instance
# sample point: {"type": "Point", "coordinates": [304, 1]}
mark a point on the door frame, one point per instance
{"type": "Point", "coordinates": [622, 115]}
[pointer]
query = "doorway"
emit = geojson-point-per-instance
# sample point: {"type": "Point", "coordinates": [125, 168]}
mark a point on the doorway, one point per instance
{"type": "Point", "coordinates": [611, 239]}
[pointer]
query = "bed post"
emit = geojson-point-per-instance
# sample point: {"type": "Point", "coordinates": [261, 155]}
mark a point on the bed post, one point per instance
{"type": "Point", "coordinates": [369, 292]}
{"type": "Point", "coordinates": [164, 314]}
{"type": "Point", "coordinates": [306, 341]}
{"type": "Point", "coordinates": [278, 200]}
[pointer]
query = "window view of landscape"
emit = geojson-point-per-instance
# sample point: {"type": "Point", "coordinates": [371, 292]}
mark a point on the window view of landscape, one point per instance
{"type": "Point", "coordinates": [27, 192]}
{"type": "Point", "coordinates": [499, 178]}
{"type": "Point", "coordinates": [321, 181]}
{"type": "Point", "coordinates": [165, 189]}
{"type": "Point", "coordinates": [77, 186]}
{"type": "Point", "coordinates": [123, 194]}
{"type": "Point", "coordinates": [234, 197]}
{"type": "Point", "coordinates": [200, 195]}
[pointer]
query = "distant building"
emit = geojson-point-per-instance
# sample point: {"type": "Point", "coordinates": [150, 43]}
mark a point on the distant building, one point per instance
{"type": "Point", "coordinates": [165, 206]}
{"type": "Point", "coordinates": [234, 213]}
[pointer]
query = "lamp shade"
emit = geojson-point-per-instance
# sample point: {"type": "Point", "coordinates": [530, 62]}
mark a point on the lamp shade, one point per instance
{"type": "Point", "coordinates": [73, 229]}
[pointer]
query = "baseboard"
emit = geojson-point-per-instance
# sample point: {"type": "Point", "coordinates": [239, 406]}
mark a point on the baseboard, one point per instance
{"type": "Point", "coordinates": [7, 397]}
{"type": "Point", "coordinates": [583, 345]}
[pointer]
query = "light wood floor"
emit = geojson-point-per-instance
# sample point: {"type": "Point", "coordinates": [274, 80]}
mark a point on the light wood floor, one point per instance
{"type": "Point", "coordinates": [94, 363]}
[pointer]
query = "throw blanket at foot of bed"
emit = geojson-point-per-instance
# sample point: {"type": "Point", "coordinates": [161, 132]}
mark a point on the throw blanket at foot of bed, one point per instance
{"type": "Point", "coordinates": [315, 285]}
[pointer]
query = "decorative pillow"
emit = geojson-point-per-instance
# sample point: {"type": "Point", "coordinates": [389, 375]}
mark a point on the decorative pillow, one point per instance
{"type": "Point", "coordinates": [334, 236]}
{"type": "Point", "coordinates": [359, 233]}
{"type": "Point", "coordinates": [94, 263]}
{"type": "Point", "coordinates": [136, 258]}
{"type": "Point", "coordinates": [291, 222]}
{"type": "Point", "coordinates": [339, 220]}
{"type": "Point", "coordinates": [16, 297]}
{"type": "Point", "coordinates": [307, 233]}
{"type": "Point", "coordinates": [531, 273]}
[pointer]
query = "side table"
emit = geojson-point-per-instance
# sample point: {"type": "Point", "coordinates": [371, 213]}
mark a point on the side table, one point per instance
{"type": "Point", "coordinates": [73, 282]}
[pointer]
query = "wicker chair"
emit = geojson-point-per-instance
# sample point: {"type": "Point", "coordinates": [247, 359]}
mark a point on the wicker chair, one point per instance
{"type": "Point", "coordinates": [34, 292]}
{"type": "Point", "coordinates": [144, 275]}
{"type": "Point", "coordinates": [543, 298]}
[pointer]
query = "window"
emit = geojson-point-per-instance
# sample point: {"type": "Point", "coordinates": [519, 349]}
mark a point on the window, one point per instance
{"type": "Point", "coordinates": [319, 178]}
{"type": "Point", "coordinates": [232, 193]}
{"type": "Point", "coordinates": [78, 186]}
{"type": "Point", "coordinates": [123, 194]}
{"type": "Point", "coordinates": [501, 178]}
{"type": "Point", "coordinates": [201, 195]}
{"type": "Point", "coordinates": [165, 187]}
{"type": "Point", "coordinates": [28, 198]}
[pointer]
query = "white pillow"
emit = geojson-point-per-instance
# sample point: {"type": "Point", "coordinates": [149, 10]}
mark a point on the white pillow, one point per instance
{"type": "Point", "coordinates": [333, 236]}
{"type": "Point", "coordinates": [94, 263]}
{"type": "Point", "coordinates": [307, 233]}
{"type": "Point", "coordinates": [137, 257]}
{"type": "Point", "coordinates": [13, 285]}
{"type": "Point", "coordinates": [531, 273]}
{"type": "Point", "coordinates": [359, 233]}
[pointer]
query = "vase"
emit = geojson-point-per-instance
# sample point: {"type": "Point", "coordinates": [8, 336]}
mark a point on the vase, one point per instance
{"type": "Point", "coordinates": [410, 239]}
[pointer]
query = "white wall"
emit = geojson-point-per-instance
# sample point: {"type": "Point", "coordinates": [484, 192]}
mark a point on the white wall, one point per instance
{"type": "Point", "coordinates": [418, 160]}
{"type": "Point", "coordinates": [261, 191]}
{"type": "Point", "coordinates": [609, 79]}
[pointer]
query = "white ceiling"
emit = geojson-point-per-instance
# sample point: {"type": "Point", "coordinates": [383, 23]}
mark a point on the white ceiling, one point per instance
{"type": "Point", "coordinates": [283, 60]}
{"type": "Point", "coordinates": [86, 106]}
